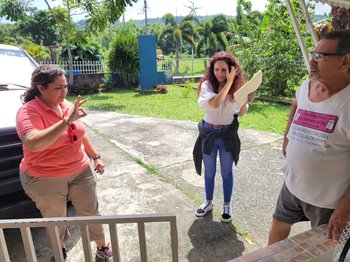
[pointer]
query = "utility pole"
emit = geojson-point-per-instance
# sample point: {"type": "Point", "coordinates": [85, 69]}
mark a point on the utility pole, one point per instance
{"type": "Point", "coordinates": [145, 10]}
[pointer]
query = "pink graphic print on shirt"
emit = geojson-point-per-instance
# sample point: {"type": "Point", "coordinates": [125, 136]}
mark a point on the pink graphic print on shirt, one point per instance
{"type": "Point", "coordinates": [317, 121]}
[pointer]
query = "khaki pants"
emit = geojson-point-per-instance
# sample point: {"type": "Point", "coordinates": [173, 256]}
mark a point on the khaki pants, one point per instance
{"type": "Point", "coordinates": [51, 195]}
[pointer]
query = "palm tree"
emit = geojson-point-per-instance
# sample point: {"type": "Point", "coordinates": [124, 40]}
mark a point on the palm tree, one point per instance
{"type": "Point", "coordinates": [213, 35]}
{"type": "Point", "coordinates": [184, 31]}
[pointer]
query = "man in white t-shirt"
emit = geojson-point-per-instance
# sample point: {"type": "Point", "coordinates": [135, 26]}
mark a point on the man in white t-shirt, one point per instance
{"type": "Point", "coordinates": [317, 145]}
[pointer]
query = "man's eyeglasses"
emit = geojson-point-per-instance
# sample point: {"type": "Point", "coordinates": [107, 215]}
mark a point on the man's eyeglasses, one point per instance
{"type": "Point", "coordinates": [72, 129]}
{"type": "Point", "coordinates": [317, 56]}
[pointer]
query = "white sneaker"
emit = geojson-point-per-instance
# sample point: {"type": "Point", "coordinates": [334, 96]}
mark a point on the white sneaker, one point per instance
{"type": "Point", "coordinates": [204, 209]}
{"type": "Point", "coordinates": [226, 213]}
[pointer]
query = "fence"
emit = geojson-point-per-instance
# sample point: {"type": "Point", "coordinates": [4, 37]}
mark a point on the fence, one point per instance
{"type": "Point", "coordinates": [52, 224]}
{"type": "Point", "coordinates": [79, 67]}
{"type": "Point", "coordinates": [186, 66]}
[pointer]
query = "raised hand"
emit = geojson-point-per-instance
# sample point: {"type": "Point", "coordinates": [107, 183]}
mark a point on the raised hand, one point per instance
{"type": "Point", "coordinates": [77, 111]}
{"type": "Point", "coordinates": [231, 74]}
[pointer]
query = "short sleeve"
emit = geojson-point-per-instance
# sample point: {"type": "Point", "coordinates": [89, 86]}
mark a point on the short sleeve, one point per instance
{"type": "Point", "coordinates": [28, 119]}
{"type": "Point", "coordinates": [205, 95]}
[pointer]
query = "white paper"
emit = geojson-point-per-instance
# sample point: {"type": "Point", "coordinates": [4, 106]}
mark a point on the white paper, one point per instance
{"type": "Point", "coordinates": [241, 95]}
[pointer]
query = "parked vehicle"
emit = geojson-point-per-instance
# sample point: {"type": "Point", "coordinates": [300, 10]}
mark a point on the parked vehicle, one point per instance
{"type": "Point", "coordinates": [16, 67]}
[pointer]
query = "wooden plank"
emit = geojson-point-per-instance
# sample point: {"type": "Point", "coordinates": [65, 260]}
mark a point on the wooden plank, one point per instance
{"type": "Point", "coordinates": [28, 244]}
{"type": "Point", "coordinates": [85, 237]}
{"type": "Point", "coordinates": [142, 241]}
{"type": "Point", "coordinates": [4, 254]}
{"type": "Point", "coordinates": [114, 241]}
{"type": "Point", "coordinates": [55, 242]}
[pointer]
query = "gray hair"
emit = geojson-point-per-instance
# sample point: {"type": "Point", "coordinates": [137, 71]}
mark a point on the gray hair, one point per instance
{"type": "Point", "coordinates": [343, 38]}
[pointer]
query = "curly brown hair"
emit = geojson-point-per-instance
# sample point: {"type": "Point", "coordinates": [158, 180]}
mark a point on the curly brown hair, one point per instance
{"type": "Point", "coordinates": [43, 75]}
{"type": "Point", "coordinates": [230, 61]}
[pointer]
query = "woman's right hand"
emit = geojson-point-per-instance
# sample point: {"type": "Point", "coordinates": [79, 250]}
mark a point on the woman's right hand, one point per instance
{"type": "Point", "coordinates": [231, 74]}
{"type": "Point", "coordinates": [77, 111]}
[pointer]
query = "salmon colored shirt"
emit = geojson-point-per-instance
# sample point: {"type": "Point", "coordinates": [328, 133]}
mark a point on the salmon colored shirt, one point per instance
{"type": "Point", "coordinates": [62, 158]}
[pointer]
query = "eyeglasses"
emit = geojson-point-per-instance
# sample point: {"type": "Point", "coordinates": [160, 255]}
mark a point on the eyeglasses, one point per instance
{"type": "Point", "coordinates": [317, 56]}
{"type": "Point", "coordinates": [72, 129]}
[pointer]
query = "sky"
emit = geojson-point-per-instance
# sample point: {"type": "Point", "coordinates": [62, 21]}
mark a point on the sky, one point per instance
{"type": "Point", "coordinates": [157, 8]}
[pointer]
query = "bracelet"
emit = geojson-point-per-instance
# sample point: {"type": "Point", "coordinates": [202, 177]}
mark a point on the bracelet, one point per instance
{"type": "Point", "coordinates": [65, 121]}
{"type": "Point", "coordinates": [95, 157]}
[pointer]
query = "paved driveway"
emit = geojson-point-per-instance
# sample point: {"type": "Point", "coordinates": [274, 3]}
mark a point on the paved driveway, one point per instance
{"type": "Point", "coordinates": [165, 149]}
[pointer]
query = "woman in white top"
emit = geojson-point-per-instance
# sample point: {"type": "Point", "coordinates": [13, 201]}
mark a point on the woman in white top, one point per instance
{"type": "Point", "coordinates": [218, 129]}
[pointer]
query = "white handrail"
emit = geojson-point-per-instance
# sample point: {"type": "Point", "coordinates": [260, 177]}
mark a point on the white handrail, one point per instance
{"type": "Point", "coordinates": [52, 225]}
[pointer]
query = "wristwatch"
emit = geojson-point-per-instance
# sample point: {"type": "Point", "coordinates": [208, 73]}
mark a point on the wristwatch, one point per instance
{"type": "Point", "coordinates": [97, 156]}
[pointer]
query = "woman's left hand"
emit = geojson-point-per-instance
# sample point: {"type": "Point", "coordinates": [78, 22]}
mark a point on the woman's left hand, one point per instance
{"type": "Point", "coordinates": [99, 166]}
{"type": "Point", "coordinates": [251, 97]}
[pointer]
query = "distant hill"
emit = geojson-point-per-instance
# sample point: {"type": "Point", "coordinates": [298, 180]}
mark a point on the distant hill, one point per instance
{"type": "Point", "coordinates": [159, 20]}
{"type": "Point", "coordinates": [318, 17]}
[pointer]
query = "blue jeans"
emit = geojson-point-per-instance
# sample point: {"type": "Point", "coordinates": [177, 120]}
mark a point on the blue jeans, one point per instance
{"type": "Point", "coordinates": [226, 163]}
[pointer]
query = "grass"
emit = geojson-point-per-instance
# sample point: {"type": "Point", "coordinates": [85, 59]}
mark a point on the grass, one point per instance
{"type": "Point", "coordinates": [187, 66]}
{"type": "Point", "coordinates": [180, 104]}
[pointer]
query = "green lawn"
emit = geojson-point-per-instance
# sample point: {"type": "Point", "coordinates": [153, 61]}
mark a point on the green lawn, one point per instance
{"type": "Point", "coordinates": [181, 104]}
{"type": "Point", "coordinates": [187, 66]}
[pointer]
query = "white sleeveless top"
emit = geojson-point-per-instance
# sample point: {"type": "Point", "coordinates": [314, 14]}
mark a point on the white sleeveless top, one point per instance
{"type": "Point", "coordinates": [317, 166]}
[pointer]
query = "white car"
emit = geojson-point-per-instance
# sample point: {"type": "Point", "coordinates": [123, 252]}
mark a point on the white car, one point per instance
{"type": "Point", "coordinates": [16, 67]}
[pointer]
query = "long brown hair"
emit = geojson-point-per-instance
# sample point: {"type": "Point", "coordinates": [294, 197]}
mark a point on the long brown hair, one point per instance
{"type": "Point", "coordinates": [230, 61]}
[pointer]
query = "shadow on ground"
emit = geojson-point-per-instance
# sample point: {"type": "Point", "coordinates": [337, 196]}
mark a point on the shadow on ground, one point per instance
{"type": "Point", "coordinates": [213, 241]}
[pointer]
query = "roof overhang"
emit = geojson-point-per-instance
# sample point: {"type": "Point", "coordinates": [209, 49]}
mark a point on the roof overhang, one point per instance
{"type": "Point", "coordinates": [338, 3]}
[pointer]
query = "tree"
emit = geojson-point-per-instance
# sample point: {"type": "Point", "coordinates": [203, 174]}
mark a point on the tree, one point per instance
{"type": "Point", "coordinates": [213, 35]}
{"type": "Point", "coordinates": [83, 47]}
{"type": "Point", "coordinates": [99, 13]}
{"type": "Point", "coordinates": [184, 31]}
{"type": "Point", "coordinates": [271, 45]}
{"type": "Point", "coordinates": [41, 27]}
{"type": "Point", "coordinates": [8, 33]}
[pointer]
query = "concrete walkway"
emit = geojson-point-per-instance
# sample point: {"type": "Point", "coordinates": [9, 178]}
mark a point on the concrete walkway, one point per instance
{"type": "Point", "coordinates": [166, 146]}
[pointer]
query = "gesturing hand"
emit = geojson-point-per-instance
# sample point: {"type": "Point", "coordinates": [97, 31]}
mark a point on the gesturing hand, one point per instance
{"type": "Point", "coordinates": [77, 111]}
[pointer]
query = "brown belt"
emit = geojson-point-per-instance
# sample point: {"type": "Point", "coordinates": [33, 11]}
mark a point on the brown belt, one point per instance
{"type": "Point", "coordinates": [215, 126]}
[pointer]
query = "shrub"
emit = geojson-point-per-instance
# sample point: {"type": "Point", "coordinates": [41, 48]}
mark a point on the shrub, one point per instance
{"type": "Point", "coordinates": [188, 88]}
{"type": "Point", "coordinates": [86, 84]}
{"type": "Point", "coordinates": [123, 58]}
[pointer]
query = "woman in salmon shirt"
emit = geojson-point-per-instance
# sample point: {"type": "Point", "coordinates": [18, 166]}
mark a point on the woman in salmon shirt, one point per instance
{"type": "Point", "coordinates": [56, 154]}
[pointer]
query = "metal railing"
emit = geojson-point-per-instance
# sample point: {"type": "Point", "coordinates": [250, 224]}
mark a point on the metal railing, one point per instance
{"type": "Point", "coordinates": [52, 224]}
{"type": "Point", "coordinates": [79, 67]}
{"type": "Point", "coordinates": [187, 66]}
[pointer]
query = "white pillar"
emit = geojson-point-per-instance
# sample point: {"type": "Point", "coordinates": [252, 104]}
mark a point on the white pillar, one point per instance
{"type": "Point", "coordinates": [309, 23]}
{"type": "Point", "coordinates": [298, 34]}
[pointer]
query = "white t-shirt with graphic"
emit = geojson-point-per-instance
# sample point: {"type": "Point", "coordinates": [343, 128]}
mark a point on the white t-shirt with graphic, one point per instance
{"type": "Point", "coordinates": [317, 166]}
